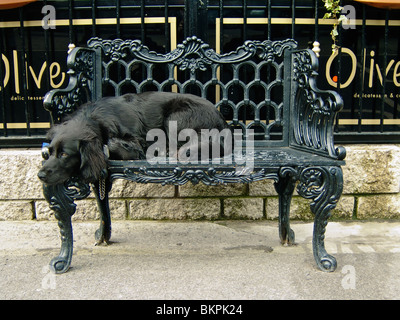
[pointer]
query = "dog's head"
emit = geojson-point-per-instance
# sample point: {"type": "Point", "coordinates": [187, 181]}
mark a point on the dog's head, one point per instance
{"type": "Point", "coordinates": [75, 150]}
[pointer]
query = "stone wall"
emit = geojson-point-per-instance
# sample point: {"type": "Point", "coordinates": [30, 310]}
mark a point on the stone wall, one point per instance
{"type": "Point", "coordinates": [371, 190]}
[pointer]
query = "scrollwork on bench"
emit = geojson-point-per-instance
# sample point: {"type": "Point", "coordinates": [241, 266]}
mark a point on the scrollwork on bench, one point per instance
{"type": "Point", "coordinates": [324, 186]}
{"type": "Point", "coordinates": [315, 110]}
{"type": "Point", "coordinates": [61, 200]}
{"type": "Point", "coordinates": [60, 102]}
{"type": "Point", "coordinates": [193, 54]}
{"type": "Point", "coordinates": [181, 176]}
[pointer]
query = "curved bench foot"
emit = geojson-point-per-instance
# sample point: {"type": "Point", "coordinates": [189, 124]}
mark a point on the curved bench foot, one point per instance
{"type": "Point", "coordinates": [60, 264]}
{"type": "Point", "coordinates": [324, 186]}
{"type": "Point", "coordinates": [326, 262]}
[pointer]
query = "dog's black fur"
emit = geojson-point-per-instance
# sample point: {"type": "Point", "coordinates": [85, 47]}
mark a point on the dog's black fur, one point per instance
{"type": "Point", "coordinates": [76, 147]}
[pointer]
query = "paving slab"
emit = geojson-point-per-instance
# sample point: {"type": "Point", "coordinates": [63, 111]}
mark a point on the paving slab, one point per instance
{"type": "Point", "coordinates": [204, 260]}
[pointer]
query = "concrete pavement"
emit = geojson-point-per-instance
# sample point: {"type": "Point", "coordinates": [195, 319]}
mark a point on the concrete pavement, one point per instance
{"type": "Point", "coordinates": [200, 260]}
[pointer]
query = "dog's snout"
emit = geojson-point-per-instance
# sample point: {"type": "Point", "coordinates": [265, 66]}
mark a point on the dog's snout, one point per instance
{"type": "Point", "coordinates": [43, 174]}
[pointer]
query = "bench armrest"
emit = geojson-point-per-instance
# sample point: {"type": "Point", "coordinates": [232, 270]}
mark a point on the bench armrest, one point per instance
{"type": "Point", "coordinates": [81, 72]}
{"type": "Point", "coordinates": [313, 111]}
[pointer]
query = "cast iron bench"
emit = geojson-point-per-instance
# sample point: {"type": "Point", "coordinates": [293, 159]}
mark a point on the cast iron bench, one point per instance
{"type": "Point", "coordinates": [269, 87]}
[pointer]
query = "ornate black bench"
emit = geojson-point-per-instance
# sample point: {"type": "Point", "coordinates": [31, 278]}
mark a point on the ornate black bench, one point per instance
{"type": "Point", "coordinates": [269, 87]}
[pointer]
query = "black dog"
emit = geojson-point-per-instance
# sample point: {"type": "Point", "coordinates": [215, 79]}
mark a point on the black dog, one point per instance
{"type": "Point", "coordinates": [121, 123]}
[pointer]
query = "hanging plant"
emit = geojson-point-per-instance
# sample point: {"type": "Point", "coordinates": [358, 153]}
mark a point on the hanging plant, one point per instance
{"type": "Point", "coordinates": [334, 12]}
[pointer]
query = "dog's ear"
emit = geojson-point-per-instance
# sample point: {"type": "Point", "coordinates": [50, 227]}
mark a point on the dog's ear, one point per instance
{"type": "Point", "coordinates": [92, 159]}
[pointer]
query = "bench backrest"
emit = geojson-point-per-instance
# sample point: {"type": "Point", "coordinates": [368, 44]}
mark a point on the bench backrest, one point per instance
{"type": "Point", "coordinates": [267, 86]}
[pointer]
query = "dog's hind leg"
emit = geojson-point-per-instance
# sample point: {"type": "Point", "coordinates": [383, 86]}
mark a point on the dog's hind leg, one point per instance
{"type": "Point", "coordinates": [129, 149]}
{"type": "Point", "coordinates": [101, 189]}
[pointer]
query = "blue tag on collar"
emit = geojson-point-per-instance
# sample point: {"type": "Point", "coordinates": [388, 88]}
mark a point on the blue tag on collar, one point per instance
{"type": "Point", "coordinates": [45, 150]}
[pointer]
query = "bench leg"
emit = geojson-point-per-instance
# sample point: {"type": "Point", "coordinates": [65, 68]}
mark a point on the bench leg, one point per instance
{"type": "Point", "coordinates": [64, 207]}
{"type": "Point", "coordinates": [101, 190]}
{"type": "Point", "coordinates": [324, 186]}
{"type": "Point", "coordinates": [285, 188]}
